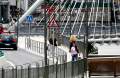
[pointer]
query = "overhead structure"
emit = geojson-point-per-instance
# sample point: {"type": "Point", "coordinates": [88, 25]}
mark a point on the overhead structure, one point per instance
{"type": "Point", "coordinates": [30, 10]}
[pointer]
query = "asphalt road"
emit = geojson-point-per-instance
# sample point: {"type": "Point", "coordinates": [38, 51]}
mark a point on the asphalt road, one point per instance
{"type": "Point", "coordinates": [18, 57]}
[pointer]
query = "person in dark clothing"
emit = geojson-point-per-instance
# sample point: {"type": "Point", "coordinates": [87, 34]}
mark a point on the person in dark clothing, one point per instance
{"type": "Point", "coordinates": [74, 51]}
{"type": "Point", "coordinates": [71, 44]}
{"type": "Point", "coordinates": [51, 41]}
{"type": "Point", "coordinates": [55, 42]}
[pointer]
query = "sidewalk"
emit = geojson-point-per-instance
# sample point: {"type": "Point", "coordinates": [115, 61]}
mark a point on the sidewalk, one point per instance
{"type": "Point", "coordinates": [21, 44]}
{"type": "Point", "coordinates": [66, 49]}
{"type": "Point", "coordinates": [4, 62]}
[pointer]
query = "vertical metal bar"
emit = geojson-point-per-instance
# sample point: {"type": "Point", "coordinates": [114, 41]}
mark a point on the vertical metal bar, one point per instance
{"type": "Point", "coordinates": [0, 13]}
{"type": "Point", "coordinates": [82, 65]}
{"type": "Point", "coordinates": [3, 73]}
{"type": "Point", "coordinates": [45, 43]}
{"type": "Point", "coordinates": [29, 71]}
{"type": "Point", "coordinates": [86, 37]}
{"type": "Point", "coordinates": [78, 72]}
{"type": "Point", "coordinates": [37, 48]}
{"type": "Point", "coordinates": [16, 72]}
{"type": "Point", "coordinates": [29, 29]}
{"type": "Point", "coordinates": [21, 72]}
{"type": "Point", "coordinates": [13, 73]}
{"type": "Point", "coordinates": [40, 48]}
{"type": "Point", "coordinates": [38, 70]}
{"type": "Point", "coordinates": [17, 29]}
{"type": "Point", "coordinates": [70, 19]}
{"type": "Point", "coordinates": [64, 67]}
{"type": "Point", "coordinates": [72, 71]}
{"type": "Point", "coordinates": [111, 20]}
{"type": "Point", "coordinates": [57, 68]}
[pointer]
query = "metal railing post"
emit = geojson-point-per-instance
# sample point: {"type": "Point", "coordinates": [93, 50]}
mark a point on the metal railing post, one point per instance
{"type": "Point", "coordinates": [3, 73]}
{"type": "Point", "coordinates": [72, 71]}
{"type": "Point", "coordinates": [16, 72]}
{"type": "Point", "coordinates": [57, 68]}
{"type": "Point", "coordinates": [13, 72]}
{"type": "Point", "coordinates": [29, 71]}
{"type": "Point", "coordinates": [38, 70]}
{"type": "Point", "coordinates": [64, 67]}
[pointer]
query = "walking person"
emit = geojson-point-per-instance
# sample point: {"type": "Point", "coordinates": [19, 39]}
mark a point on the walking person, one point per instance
{"type": "Point", "coordinates": [74, 51]}
{"type": "Point", "coordinates": [52, 46]}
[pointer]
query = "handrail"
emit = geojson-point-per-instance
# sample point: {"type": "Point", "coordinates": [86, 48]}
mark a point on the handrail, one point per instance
{"type": "Point", "coordinates": [38, 48]}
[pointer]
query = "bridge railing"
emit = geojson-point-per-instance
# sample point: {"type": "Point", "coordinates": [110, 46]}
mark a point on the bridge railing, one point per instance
{"type": "Point", "coordinates": [37, 47]}
{"type": "Point", "coordinates": [37, 70]}
{"type": "Point", "coordinates": [31, 29]}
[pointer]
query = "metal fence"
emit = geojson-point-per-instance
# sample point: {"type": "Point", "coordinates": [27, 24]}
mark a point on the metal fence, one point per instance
{"type": "Point", "coordinates": [37, 47]}
{"type": "Point", "coordinates": [37, 70]}
{"type": "Point", "coordinates": [30, 29]}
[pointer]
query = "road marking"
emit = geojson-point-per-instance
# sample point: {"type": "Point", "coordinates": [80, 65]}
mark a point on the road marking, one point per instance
{"type": "Point", "coordinates": [13, 65]}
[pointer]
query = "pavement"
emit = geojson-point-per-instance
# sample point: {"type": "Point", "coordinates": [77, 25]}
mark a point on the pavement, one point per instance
{"type": "Point", "coordinates": [21, 57]}
{"type": "Point", "coordinates": [4, 62]}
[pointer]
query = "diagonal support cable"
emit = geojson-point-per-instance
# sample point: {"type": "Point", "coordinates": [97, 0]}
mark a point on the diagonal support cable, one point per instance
{"type": "Point", "coordinates": [66, 15]}
{"type": "Point", "coordinates": [115, 18]}
{"type": "Point", "coordinates": [46, 13]}
{"type": "Point", "coordinates": [96, 19]}
{"type": "Point", "coordinates": [102, 32]}
{"type": "Point", "coordinates": [109, 18]}
{"type": "Point", "coordinates": [83, 17]}
{"type": "Point", "coordinates": [77, 15]}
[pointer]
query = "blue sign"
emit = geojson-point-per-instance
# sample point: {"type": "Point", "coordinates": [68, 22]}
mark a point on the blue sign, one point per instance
{"type": "Point", "coordinates": [29, 18]}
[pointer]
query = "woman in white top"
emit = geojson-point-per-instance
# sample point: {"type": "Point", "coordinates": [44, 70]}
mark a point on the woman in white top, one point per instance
{"type": "Point", "coordinates": [74, 51]}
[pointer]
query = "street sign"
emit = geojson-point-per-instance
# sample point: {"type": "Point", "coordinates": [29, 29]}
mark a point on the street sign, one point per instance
{"type": "Point", "coordinates": [29, 18]}
{"type": "Point", "coordinates": [53, 23]}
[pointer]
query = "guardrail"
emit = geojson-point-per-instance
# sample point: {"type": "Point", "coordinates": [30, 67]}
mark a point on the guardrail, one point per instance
{"type": "Point", "coordinates": [37, 70]}
{"type": "Point", "coordinates": [37, 47]}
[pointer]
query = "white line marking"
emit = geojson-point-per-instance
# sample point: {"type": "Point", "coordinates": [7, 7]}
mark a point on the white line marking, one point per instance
{"type": "Point", "coordinates": [13, 65]}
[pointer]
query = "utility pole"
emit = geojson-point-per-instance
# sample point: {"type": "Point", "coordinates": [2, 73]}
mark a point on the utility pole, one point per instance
{"type": "Point", "coordinates": [86, 36]}
{"type": "Point", "coordinates": [86, 27]}
{"type": "Point", "coordinates": [45, 43]}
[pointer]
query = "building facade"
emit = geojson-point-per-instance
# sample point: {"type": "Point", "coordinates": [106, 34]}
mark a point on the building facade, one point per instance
{"type": "Point", "coordinates": [4, 11]}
